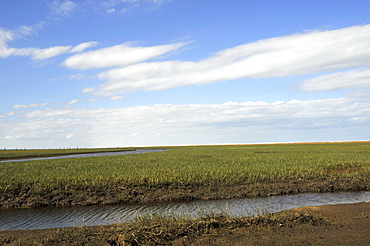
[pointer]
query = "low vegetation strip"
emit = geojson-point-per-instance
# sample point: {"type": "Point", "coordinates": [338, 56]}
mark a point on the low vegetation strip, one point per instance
{"type": "Point", "coordinates": [187, 173]}
{"type": "Point", "coordinates": [162, 231]}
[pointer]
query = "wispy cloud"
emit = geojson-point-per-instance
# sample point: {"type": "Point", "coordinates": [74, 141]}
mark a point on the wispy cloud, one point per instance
{"type": "Point", "coordinates": [313, 52]}
{"type": "Point", "coordinates": [195, 123]}
{"type": "Point", "coordinates": [72, 102]}
{"type": "Point", "coordinates": [18, 106]}
{"type": "Point", "coordinates": [62, 8]}
{"type": "Point", "coordinates": [36, 54]}
{"type": "Point", "coordinates": [41, 54]}
{"type": "Point", "coordinates": [83, 46]}
{"type": "Point", "coordinates": [5, 36]}
{"type": "Point", "coordinates": [121, 6]}
{"type": "Point", "coordinates": [58, 7]}
{"type": "Point", "coordinates": [115, 98]}
{"type": "Point", "coordinates": [119, 55]}
{"type": "Point", "coordinates": [336, 81]}
{"type": "Point", "coordinates": [111, 11]}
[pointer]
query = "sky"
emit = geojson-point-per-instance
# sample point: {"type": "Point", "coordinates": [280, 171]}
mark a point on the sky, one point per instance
{"type": "Point", "coordinates": [117, 73]}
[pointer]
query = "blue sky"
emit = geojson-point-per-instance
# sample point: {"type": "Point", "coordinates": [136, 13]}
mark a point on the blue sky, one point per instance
{"type": "Point", "coordinates": [94, 73]}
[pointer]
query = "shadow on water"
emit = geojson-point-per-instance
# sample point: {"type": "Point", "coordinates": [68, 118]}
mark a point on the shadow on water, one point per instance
{"type": "Point", "coordinates": [40, 218]}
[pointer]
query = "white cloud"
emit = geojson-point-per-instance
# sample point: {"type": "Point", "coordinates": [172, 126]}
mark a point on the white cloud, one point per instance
{"type": "Point", "coordinates": [230, 122]}
{"type": "Point", "coordinates": [158, 1]}
{"type": "Point", "coordinates": [314, 52]}
{"type": "Point", "coordinates": [336, 81]}
{"type": "Point", "coordinates": [115, 98]}
{"type": "Point", "coordinates": [146, 5]}
{"type": "Point", "coordinates": [6, 114]}
{"type": "Point", "coordinates": [36, 53]}
{"type": "Point", "coordinates": [83, 46]}
{"type": "Point", "coordinates": [28, 30]}
{"type": "Point", "coordinates": [88, 89]}
{"type": "Point", "coordinates": [62, 8]}
{"type": "Point", "coordinates": [5, 36]}
{"type": "Point", "coordinates": [111, 11]}
{"type": "Point", "coordinates": [72, 101]}
{"type": "Point", "coordinates": [42, 54]}
{"type": "Point", "coordinates": [119, 55]}
{"type": "Point", "coordinates": [18, 106]}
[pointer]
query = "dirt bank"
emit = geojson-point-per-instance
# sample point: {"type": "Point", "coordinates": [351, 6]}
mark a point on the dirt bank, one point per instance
{"type": "Point", "coordinates": [347, 224]}
{"type": "Point", "coordinates": [79, 195]}
{"type": "Point", "coordinates": [341, 225]}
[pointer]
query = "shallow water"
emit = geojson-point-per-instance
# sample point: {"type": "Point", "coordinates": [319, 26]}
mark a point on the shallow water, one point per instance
{"type": "Point", "coordinates": [139, 151]}
{"type": "Point", "coordinates": [40, 218]}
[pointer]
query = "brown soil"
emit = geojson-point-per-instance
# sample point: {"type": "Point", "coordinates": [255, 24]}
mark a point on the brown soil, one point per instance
{"type": "Point", "coordinates": [347, 224]}
{"type": "Point", "coordinates": [78, 195]}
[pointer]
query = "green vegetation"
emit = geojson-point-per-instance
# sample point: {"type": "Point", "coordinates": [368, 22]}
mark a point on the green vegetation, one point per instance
{"type": "Point", "coordinates": [23, 153]}
{"type": "Point", "coordinates": [203, 167]}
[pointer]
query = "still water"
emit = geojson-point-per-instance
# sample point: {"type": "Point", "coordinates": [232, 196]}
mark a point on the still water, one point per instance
{"type": "Point", "coordinates": [39, 218]}
{"type": "Point", "coordinates": [138, 151]}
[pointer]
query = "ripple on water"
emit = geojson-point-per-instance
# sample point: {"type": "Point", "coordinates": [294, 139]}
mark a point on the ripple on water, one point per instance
{"type": "Point", "coordinates": [40, 218]}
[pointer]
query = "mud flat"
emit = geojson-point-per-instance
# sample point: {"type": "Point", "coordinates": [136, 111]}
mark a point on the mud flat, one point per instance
{"type": "Point", "coordinates": [344, 224]}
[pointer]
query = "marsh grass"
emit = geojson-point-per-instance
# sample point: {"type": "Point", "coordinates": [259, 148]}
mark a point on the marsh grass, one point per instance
{"type": "Point", "coordinates": [155, 229]}
{"type": "Point", "coordinates": [207, 167]}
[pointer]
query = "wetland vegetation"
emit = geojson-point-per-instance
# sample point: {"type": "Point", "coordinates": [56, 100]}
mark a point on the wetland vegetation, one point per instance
{"type": "Point", "coordinates": [187, 173]}
{"type": "Point", "coordinates": [196, 172]}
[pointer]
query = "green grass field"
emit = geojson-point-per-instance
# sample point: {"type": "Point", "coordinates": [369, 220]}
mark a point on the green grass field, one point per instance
{"type": "Point", "coordinates": [205, 166]}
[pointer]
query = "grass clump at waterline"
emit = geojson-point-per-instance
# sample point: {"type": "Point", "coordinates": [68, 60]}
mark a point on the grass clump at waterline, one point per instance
{"type": "Point", "coordinates": [187, 173]}
{"type": "Point", "coordinates": [158, 230]}
{"type": "Point", "coordinates": [36, 153]}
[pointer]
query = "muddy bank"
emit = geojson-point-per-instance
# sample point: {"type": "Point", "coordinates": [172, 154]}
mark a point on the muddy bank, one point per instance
{"type": "Point", "coordinates": [79, 195]}
{"type": "Point", "coordinates": [345, 224]}
{"type": "Point", "coordinates": [337, 225]}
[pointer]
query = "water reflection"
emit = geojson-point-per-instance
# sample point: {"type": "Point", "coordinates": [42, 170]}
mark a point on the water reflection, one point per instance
{"type": "Point", "coordinates": [39, 218]}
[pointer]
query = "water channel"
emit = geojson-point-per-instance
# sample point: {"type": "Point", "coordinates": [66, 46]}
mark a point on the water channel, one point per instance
{"type": "Point", "coordinates": [54, 217]}
{"type": "Point", "coordinates": [130, 152]}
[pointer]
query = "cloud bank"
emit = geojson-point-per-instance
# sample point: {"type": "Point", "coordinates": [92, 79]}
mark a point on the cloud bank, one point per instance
{"type": "Point", "coordinates": [230, 122]}
{"type": "Point", "coordinates": [307, 53]}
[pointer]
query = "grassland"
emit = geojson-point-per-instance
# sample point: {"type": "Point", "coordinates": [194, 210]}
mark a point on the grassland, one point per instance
{"type": "Point", "coordinates": [187, 173]}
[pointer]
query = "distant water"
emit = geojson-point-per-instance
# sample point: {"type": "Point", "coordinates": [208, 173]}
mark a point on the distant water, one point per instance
{"type": "Point", "coordinates": [139, 151]}
{"type": "Point", "coordinates": [54, 217]}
